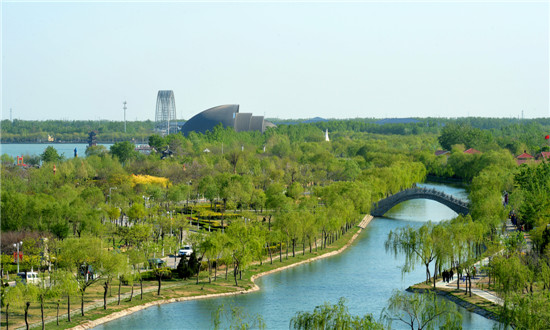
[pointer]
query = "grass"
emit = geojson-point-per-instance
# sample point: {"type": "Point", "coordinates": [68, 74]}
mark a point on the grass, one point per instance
{"type": "Point", "coordinates": [174, 288]}
{"type": "Point", "coordinates": [461, 294]}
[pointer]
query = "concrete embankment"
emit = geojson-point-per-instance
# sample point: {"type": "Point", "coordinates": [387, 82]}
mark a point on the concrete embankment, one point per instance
{"type": "Point", "coordinates": [91, 324]}
{"type": "Point", "coordinates": [462, 303]}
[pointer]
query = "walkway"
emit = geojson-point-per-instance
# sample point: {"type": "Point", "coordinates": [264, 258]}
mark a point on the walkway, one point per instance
{"type": "Point", "coordinates": [485, 294]}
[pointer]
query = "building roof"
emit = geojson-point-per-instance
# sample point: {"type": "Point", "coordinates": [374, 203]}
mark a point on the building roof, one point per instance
{"type": "Point", "coordinates": [472, 151]}
{"type": "Point", "coordinates": [441, 152]}
{"type": "Point", "coordinates": [544, 154]}
{"type": "Point", "coordinates": [525, 156]}
{"type": "Point", "coordinates": [227, 115]}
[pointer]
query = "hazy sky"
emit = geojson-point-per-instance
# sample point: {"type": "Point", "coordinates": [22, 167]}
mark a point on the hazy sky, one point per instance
{"type": "Point", "coordinates": [81, 60]}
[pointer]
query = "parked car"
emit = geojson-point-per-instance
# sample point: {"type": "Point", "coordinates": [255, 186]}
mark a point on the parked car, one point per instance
{"type": "Point", "coordinates": [186, 251]}
{"type": "Point", "coordinates": [28, 277]}
{"type": "Point", "coordinates": [156, 262]}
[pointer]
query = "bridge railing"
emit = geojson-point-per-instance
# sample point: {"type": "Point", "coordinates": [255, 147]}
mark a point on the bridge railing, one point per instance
{"type": "Point", "coordinates": [421, 191]}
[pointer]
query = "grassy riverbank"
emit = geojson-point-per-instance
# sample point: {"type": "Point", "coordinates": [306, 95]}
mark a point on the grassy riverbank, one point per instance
{"type": "Point", "coordinates": [171, 291]}
{"type": "Point", "coordinates": [473, 303]}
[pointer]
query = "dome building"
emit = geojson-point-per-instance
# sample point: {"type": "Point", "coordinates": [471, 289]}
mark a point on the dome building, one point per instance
{"type": "Point", "coordinates": [229, 116]}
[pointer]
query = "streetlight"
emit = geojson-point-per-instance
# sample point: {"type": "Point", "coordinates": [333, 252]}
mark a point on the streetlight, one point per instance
{"type": "Point", "coordinates": [188, 192]}
{"type": "Point", "coordinates": [111, 188]}
{"type": "Point", "coordinates": [17, 245]}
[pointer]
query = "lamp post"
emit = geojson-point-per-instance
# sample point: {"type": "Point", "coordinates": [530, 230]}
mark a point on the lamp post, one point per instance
{"type": "Point", "coordinates": [188, 192]}
{"type": "Point", "coordinates": [17, 245]}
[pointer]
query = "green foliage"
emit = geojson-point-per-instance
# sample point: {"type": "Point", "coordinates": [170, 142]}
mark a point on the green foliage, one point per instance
{"type": "Point", "coordinates": [158, 142]}
{"type": "Point", "coordinates": [531, 197]}
{"type": "Point", "coordinates": [97, 150]}
{"type": "Point", "coordinates": [237, 318]}
{"type": "Point", "coordinates": [123, 150]}
{"type": "Point", "coordinates": [530, 311]}
{"type": "Point", "coordinates": [336, 316]}
{"type": "Point", "coordinates": [188, 267]}
{"type": "Point", "coordinates": [469, 136]}
{"type": "Point", "coordinates": [50, 155]}
{"type": "Point", "coordinates": [421, 311]}
{"type": "Point", "coordinates": [418, 245]}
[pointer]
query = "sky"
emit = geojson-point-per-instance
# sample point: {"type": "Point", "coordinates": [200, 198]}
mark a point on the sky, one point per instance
{"type": "Point", "coordinates": [365, 59]}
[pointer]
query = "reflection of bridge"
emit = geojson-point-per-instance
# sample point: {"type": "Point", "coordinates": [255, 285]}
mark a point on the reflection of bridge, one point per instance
{"type": "Point", "coordinates": [384, 205]}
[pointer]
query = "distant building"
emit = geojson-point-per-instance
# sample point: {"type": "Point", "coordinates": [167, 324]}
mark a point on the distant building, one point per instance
{"type": "Point", "coordinates": [228, 116]}
{"type": "Point", "coordinates": [442, 152]}
{"type": "Point", "coordinates": [165, 115]}
{"type": "Point", "coordinates": [472, 151]}
{"type": "Point", "coordinates": [143, 149]}
{"type": "Point", "coordinates": [326, 136]}
{"type": "Point", "coordinates": [524, 158]}
{"type": "Point", "coordinates": [543, 155]}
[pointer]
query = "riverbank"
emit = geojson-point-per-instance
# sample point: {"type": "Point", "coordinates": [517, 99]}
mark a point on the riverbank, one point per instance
{"type": "Point", "coordinates": [250, 285]}
{"type": "Point", "coordinates": [482, 301]}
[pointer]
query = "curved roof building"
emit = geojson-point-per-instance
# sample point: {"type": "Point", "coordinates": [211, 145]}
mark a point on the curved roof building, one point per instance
{"type": "Point", "coordinates": [229, 116]}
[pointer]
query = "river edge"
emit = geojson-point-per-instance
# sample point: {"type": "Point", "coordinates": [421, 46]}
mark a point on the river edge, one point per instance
{"type": "Point", "coordinates": [111, 317]}
{"type": "Point", "coordinates": [461, 302]}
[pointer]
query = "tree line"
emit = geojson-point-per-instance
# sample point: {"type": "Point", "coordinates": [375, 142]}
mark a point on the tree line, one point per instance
{"type": "Point", "coordinates": [251, 197]}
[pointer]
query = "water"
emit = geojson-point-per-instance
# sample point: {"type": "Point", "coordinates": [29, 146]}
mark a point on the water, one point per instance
{"type": "Point", "coordinates": [364, 274]}
{"type": "Point", "coordinates": [36, 149]}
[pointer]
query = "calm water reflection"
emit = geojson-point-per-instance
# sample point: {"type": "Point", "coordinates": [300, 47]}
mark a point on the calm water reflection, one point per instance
{"type": "Point", "coordinates": [364, 274]}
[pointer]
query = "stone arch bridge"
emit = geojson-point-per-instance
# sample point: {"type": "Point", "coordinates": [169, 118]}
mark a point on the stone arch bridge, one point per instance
{"type": "Point", "coordinates": [384, 205]}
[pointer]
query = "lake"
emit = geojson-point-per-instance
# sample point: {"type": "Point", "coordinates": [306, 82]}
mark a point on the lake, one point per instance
{"type": "Point", "coordinates": [36, 149]}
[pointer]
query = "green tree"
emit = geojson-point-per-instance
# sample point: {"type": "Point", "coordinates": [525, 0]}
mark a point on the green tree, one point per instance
{"type": "Point", "coordinates": [335, 316]}
{"type": "Point", "coordinates": [82, 257]}
{"type": "Point", "coordinates": [416, 245]}
{"type": "Point", "coordinates": [158, 142]}
{"type": "Point", "coordinates": [12, 296]}
{"type": "Point", "coordinates": [65, 284]}
{"type": "Point", "coordinates": [29, 294]}
{"type": "Point", "coordinates": [137, 258]}
{"type": "Point", "coordinates": [421, 311]}
{"type": "Point", "coordinates": [237, 318]}
{"type": "Point", "coordinates": [123, 151]}
{"type": "Point", "coordinates": [160, 273]}
{"type": "Point", "coordinates": [113, 264]}
{"type": "Point", "coordinates": [241, 245]}
{"type": "Point", "coordinates": [50, 155]}
{"type": "Point", "coordinates": [97, 150]}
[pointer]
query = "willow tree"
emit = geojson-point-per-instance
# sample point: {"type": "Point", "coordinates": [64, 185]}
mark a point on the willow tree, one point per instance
{"type": "Point", "coordinates": [417, 245]}
{"type": "Point", "coordinates": [83, 258]}
{"type": "Point", "coordinates": [421, 311]}
{"type": "Point", "coordinates": [335, 316]}
{"type": "Point", "coordinates": [242, 245]}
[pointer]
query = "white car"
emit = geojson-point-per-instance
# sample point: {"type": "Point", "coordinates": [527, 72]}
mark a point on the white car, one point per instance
{"type": "Point", "coordinates": [28, 277]}
{"type": "Point", "coordinates": [186, 251]}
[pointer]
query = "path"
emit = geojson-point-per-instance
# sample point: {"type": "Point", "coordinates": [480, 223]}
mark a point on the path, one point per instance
{"type": "Point", "coordinates": [486, 294]}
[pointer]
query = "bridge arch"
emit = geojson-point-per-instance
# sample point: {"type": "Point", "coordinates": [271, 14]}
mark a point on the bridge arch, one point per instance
{"type": "Point", "coordinates": [384, 205]}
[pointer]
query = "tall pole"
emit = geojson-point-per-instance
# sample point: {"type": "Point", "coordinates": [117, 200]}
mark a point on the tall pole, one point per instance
{"type": "Point", "coordinates": [124, 115]}
{"type": "Point", "coordinates": [16, 245]}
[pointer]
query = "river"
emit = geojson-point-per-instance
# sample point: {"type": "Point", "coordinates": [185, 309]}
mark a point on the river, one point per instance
{"type": "Point", "coordinates": [365, 274]}
{"type": "Point", "coordinates": [36, 149]}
